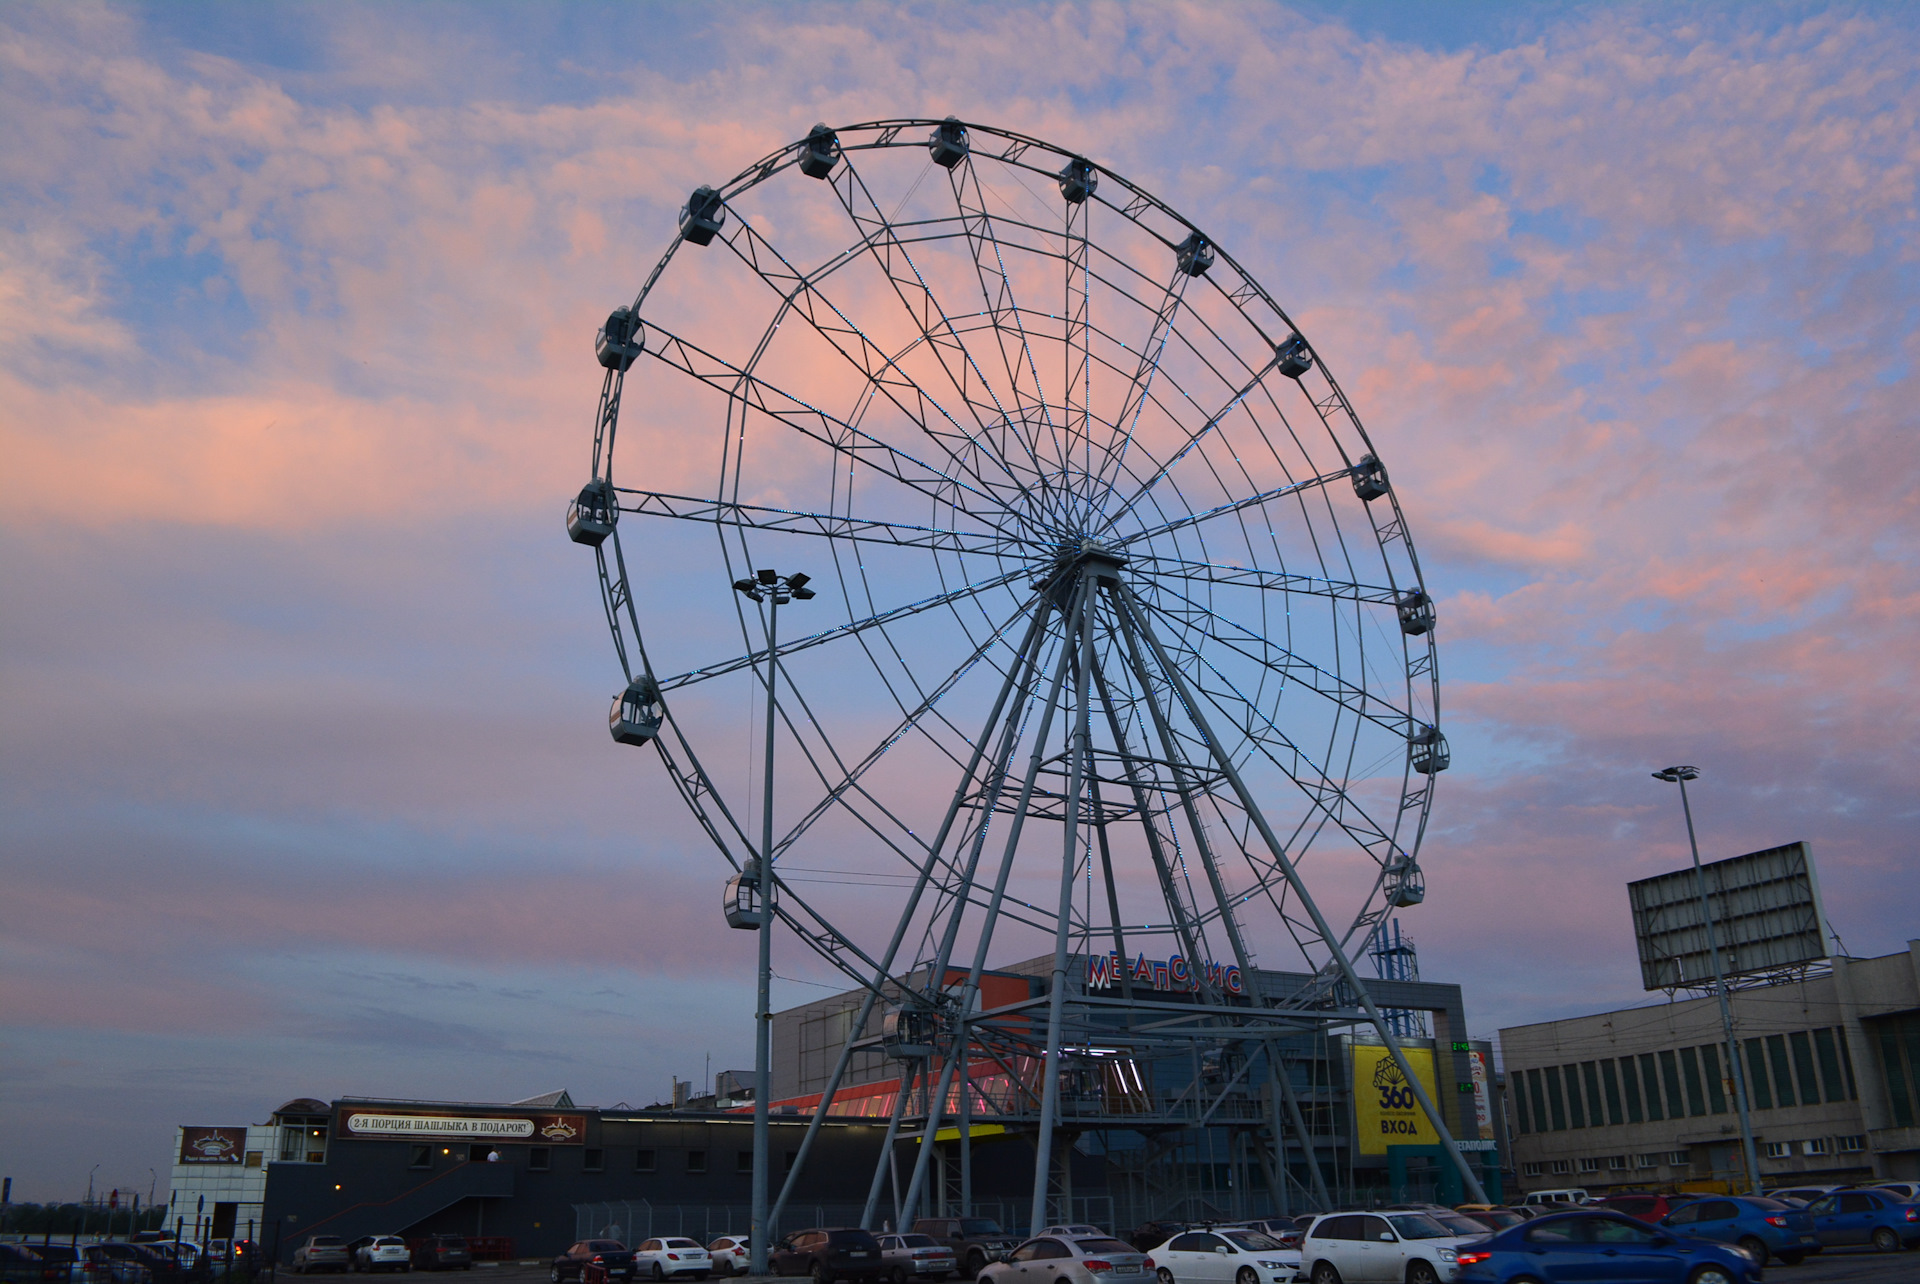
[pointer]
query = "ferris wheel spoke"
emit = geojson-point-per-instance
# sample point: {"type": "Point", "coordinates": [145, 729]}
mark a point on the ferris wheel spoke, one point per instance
{"type": "Point", "coordinates": [881, 239]}
{"type": "Point", "coordinates": [1003, 309]}
{"type": "Point", "coordinates": [754, 658]}
{"type": "Point", "coordinates": [790, 521]}
{"type": "Point", "coordinates": [820, 425]}
{"type": "Point", "coordinates": [801, 293]}
{"type": "Point", "coordinates": [1226, 575]}
{"type": "Point", "coordinates": [1139, 393]}
{"type": "Point", "coordinates": [1222, 510]}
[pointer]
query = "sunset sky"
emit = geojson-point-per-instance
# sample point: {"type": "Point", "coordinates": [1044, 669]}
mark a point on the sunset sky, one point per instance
{"type": "Point", "coordinates": [307, 788]}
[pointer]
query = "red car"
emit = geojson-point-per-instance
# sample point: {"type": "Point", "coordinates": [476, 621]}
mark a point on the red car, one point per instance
{"type": "Point", "coordinates": [1646, 1207]}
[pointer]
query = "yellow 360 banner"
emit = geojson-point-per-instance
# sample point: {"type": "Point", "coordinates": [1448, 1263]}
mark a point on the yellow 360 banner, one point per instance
{"type": "Point", "coordinates": [1384, 1108]}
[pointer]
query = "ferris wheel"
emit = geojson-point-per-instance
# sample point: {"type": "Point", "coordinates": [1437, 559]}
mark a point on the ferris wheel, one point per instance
{"type": "Point", "coordinates": [1047, 552]}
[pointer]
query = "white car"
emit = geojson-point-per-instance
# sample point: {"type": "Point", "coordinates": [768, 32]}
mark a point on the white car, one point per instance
{"type": "Point", "coordinates": [1907, 1190]}
{"type": "Point", "coordinates": [1372, 1248]}
{"type": "Point", "coordinates": [914, 1256]}
{"type": "Point", "coordinates": [1226, 1255]}
{"type": "Point", "coordinates": [1090, 1259]}
{"type": "Point", "coordinates": [661, 1259]}
{"type": "Point", "coordinates": [380, 1253]}
{"type": "Point", "coordinates": [731, 1255]}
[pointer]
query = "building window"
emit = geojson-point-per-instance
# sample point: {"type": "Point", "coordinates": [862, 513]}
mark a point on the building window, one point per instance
{"type": "Point", "coordinates": [1517, 1082]}
{"type": "Point", "coordinates": [1779, 1150]}
{"type": "Point", "coordinates": [743, 1161]}
{"type": "Point", "coordinates": [1612, 1080]}
{"type": "Point", "coordinates": [1716, 1084]}
{"type": "Point", "coordinates": [1532, 1170]}
{"type": "Point", "coordinates": [1555, 1100]}
{"type": "Point", "coordinates": [1690, 1072]}
{"type": "Point", "coordinates": [1902, 1071]}
{"type": "Point", "coordinates": [1757, 1090]}
{"type": "Point", "coordinates": [643, 1161]}
{"type": "Point", "coordinates": [793, 1157]}
{"type": "Point", "coordinates": [1561, 1167]}
{"type": "Point", "coordinates": [1850, 1145]}
{"type": "Point", "coordinates": [1827, 1049]}
{"type": "Point", "coordinates": [1646, 1161]}
{"type": "Point", "coordinates": [1589, 1166]}
{"type": "Point", "coordinates": [539, 1158]}
{"type": "Point", "coordinates": [1616, 1163]}
{"type": "Point", "coordinates": [696, 1161]}
{"type": "Point", "coordinates": [1576, 1110]}
{"type": "Point", "coordinates": [1782, 1075]}
{"type": "Point", "coordinates": [1651, 1078]}
{"type": "Point", "coordinates": [420, 1157]}
{"type": "Point", "coordinates": [593, 1161]}
{"type": "Point", "coordinates": [1814, 1146]}
{"type": "Point", "coordinates": [1802, 1047]}
{"type": "Point", "coordinates": [1670, 1080]}
{"type": "Point", "coordinates": [1590, 1072]}
{"type": "Point", "coordinates": [1680, 1158]}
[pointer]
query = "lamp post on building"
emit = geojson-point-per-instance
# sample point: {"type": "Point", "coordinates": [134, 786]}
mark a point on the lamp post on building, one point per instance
{"type": "Point", "coordinates": [1680, 776]}
{"type": "Point", "coordinates": [775, 590]}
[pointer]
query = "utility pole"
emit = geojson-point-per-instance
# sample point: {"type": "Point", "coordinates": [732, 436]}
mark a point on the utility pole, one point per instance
{"type": "Point", "coordinates": [1680, 776]}
{"type": "Point", "coordinates": [775, 590]}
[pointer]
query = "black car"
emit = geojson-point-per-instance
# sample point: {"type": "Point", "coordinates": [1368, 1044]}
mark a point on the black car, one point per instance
{"type": "Point", "coordinates": [975, 1241]}
{"type": "Point", "coordinates": [1153, 1234]}
{"type": "Point", "coordinates": [829, 1254]}
{"type": "Point", "coordinates": [442, 1253]}
{"type": "Point", "coordinates": [20, 1264]}
{"type": "Point", "coordinates": [616, 1258]}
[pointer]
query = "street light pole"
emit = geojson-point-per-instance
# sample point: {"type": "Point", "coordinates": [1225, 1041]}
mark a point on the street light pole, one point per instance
{"type": "Point", "coordinates": [1680, 776]}
{"type": "Point", "coordinates": [775, 590]}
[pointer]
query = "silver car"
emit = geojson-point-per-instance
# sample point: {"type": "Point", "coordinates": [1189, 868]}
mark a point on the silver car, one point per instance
{"type": "Point", "coordinates": [913, 1256]}
{"type": "Point", "coordinates": [1071, 1259]}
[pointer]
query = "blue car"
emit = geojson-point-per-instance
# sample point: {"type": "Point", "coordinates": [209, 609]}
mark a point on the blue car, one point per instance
{"type": "Point", "coordinates": [1565, 1247]}
{"type": "Point", "coordinates": [1763, 1227]}
{"type": "Point", "coordinates": [1877, 1217]}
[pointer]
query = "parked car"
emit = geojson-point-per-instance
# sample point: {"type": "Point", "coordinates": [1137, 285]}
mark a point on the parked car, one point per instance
{"type": "Point", "coordinates": [1647, 1206]}
{"type": "Point", "coordinates": [664, 1258]}
{"type": "Point", "coordinates": [1495, 1217]}
{"type": "Point", "coordinates": [1763, 1227]}
{"type": "Point", "coordinates": [829, 1253]}
{"type": "Point", "coordinates": [321, 1253]}
{"type": "Point", "coordinates": [1575, 1195]}
{"type": "Point", "coordinates": [1070, 1259]}
{"type": "Point", "coordinates": [1075, 1230]}
{"type": "Point", "coordinates": [442, 1253]}
{"type": "Point", "coordinates": [20, 1264]}
{"type": "Point", "coordinates": [118, 1262]}
{"type": "Point", "coordinates": [1284, 1231]}
{"type": "Point", "coordinates": [609, 1254]}
{"type": "Point", "coordinates": [1907, 1190]}
{"type": "Point", "coordinates": [1153, 1234]}
{"type": "Point", "coordinates": [1800, 1194]}
{"type": "Point", "coordinates": [65, 1257]}
{"type": "Point", "coordinates": [975, 1241]}
{"type": "Point", "coordinates": [731, 1254]}
{"type": "Point", "coordinates": [1866, 1217]}
{"type": "Point", "coordinates": [1227, 1255]}
{"type": "Point", "coordinates": [916, 1256]}
{"type": "Point", "coordinates": [1601, 1247]}
{"type": "Point", "coordinates": [379, 1253]}
{"type": "Point", "coordinates": [1380, 1246]}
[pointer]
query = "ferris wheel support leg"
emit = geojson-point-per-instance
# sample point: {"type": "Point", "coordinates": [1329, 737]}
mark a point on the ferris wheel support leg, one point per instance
{"type": "Point", "coordinates": [1082, 641]}
{"type": "Point", "coordinates": [908, 1077]}
{"type": "Point", "coordinates": [1163, 868]}
{"type": "Point", "coordinates": [972, 987]}
{"type": "Point", "coordinates": [1299, 1122]}
{"type": "Point", "coordinates": [1099, 823]}
{"type": "Point", "coordinates": [1019, 676]}
{"type": "Point", "coordinates": [1132, 620]}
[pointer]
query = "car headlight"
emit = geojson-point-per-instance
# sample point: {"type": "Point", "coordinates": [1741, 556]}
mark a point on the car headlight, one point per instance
{"type": "Point", "coordinates": [1272, 1266]}
{"type": "Point", "coordinates": [1444, 1254]}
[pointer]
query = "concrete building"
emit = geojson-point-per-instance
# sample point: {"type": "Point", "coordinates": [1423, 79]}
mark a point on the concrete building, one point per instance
{"type": "Point", "coordinates": [1643, 1096]}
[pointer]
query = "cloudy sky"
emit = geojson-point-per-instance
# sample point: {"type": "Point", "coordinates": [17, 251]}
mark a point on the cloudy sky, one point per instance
{"type": "Point", "coordinates": [306, 787]}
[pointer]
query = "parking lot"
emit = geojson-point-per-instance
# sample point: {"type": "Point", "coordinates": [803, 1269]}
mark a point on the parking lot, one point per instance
{"type": "Point", "coordinates": [1836, 1266]}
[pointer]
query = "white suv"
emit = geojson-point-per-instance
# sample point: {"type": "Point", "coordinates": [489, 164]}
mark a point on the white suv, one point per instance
{"type": "Point", "coordinates": [1373, 1248]}
{"type": "Point", "coordinates": [380, 1253]}
{"type": "Point", "coordinates": [1566, 1195]}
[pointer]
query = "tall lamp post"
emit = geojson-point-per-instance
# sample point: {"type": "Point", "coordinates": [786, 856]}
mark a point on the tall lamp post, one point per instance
{"type": "Point", "coordinates": [775, 590]}
{"type": "Point", "coordinates": [1680, 776]}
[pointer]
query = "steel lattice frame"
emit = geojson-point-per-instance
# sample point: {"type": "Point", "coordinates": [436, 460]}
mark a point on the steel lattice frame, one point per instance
{"type": "Point", "coordinates": [1135, 582]}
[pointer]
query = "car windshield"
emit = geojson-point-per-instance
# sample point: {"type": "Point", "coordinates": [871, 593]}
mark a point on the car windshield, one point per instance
{"type": "Point", "coordinates": [1252, 1241]}
{"type": "Point", "coordinates": [1418, 1226]}
{"type": "Point", "coordinates": [980, 1226]}
{"type": "Point", "coordinates": [917, 1241]}
{"type": "Point", "coordinates": [328, 1241]}
{"type": "Point", "coordinates": [1459, 1223]}
{"type": "Point", "coordinates": [857, 1237]}
{"type": "Point", "coordinates": [606, 1245]}
{"type": "Point", "coordinates": [1500, 1217]}
{"type": "Point", "coordinates": [1771, 1205]}
{"type": "Point", "coordinates": [681, 1243]}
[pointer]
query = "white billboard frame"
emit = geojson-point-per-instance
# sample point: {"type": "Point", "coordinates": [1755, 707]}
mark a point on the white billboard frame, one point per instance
{"type": "Point", "coordinates": [1768, 919]}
